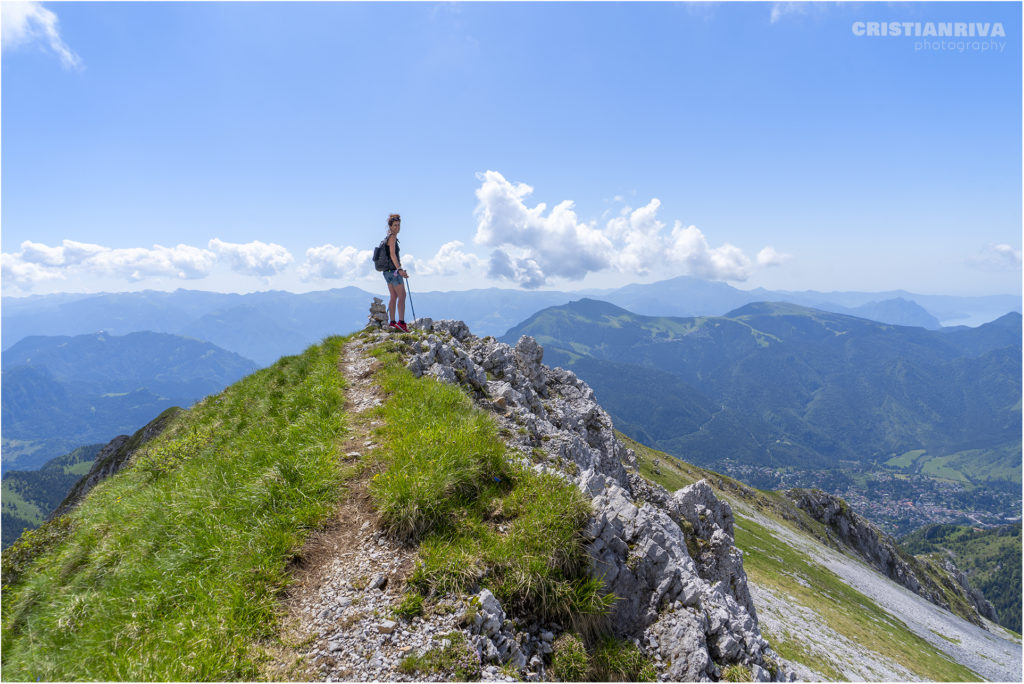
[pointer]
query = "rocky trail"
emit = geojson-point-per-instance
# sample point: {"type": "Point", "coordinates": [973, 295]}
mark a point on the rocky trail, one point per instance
{"type": "Point", "coordinates": [668, 557]}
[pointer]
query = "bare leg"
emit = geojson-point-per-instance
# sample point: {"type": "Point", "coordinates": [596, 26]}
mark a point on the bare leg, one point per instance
{"type": "Point", "coordinates": [392, 289]}
{"type": "Point", "coordinates": [400, 290]}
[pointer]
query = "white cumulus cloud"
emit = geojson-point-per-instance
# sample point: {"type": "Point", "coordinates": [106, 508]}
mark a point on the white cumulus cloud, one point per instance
{"type": "Point", "coordinates": [67, 253]}
{"type": "Point", "coordinates": [24, 23]}
{"type": "Point", "coordinates": [449, 260]}
{"type": "Point", "coordinates": [253, 258]}
{"type": "Point", "coordinates": [558, 243]}
{"type": "Point", "coordinates": [688, 248]}
{"type": "Point", "coordinates": [532, 247]}
{"type": "Point", "coordinates": [769, 256]}
{"type": "Point", "coordinates": [328, 261]}
{"type": "Point", "coordinates": [37, 262]}
{"type": "Point", "coordinates": [24, 274]}
{"type": "Point", "coordinates": [638, 233]}
{"type": "Point", "coordinates": [138, 263]}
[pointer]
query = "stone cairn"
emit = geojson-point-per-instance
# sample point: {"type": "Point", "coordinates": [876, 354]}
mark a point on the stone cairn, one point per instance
{"type": "Point", "coordinates": [378, 317]}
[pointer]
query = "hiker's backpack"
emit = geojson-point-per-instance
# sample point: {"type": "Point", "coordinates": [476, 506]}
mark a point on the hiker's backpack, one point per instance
{"type": "Point", "coordinates": [382, 257]}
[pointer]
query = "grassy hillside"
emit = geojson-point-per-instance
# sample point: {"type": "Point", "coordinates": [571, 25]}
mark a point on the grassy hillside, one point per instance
{"type": "Point", "coordinates": [991, 558]}
{"type": "Point", "coordinates": [479, 518]}
{"type": "Point", "coordinates": [170, 569]}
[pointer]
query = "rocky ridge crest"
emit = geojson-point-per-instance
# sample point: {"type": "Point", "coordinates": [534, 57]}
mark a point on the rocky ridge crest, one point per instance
{"type": "Point", "coordinates": [668, 556]}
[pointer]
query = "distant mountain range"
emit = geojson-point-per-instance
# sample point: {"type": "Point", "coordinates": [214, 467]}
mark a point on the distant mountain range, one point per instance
{"type": "Point", "coordinates": [266, 325]}
{"type": "Point", "coordinates": [62, 392]}
{"type": "Point", "coordinates": [785, 386]}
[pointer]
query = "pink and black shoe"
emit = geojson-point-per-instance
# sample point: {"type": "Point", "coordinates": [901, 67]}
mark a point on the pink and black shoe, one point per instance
{"type": "Point", "coordinates": [394, 326]}
{"type": "Point", "coordinates": [402, 326]}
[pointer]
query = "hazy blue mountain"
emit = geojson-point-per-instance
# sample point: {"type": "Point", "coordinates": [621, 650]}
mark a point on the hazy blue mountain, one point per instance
{"type": "Point", "coordinates": [948, 309]}
{"type": "Point", "coordinates": [787, 386]}
{"type": "Point", "coordinates": [898, 311]}
{"type": "Point", "coordinates": [61, 392]}
{"type": "Point", "coordinates": [266, 325]}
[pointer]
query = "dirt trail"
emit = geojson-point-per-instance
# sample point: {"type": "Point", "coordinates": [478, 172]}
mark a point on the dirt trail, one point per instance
{"type": "Point", "coordinates": [339, 622]}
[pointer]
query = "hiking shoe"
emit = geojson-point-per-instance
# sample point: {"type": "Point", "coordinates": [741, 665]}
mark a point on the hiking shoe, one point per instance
{"type": "Point", "coordinates": [394, 325]}
{"type": "Point", "coordinates": [402, 326]}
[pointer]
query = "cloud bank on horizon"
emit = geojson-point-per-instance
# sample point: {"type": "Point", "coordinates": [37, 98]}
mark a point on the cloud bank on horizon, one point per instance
{"type": "Point", "coordinates": [529, 247]}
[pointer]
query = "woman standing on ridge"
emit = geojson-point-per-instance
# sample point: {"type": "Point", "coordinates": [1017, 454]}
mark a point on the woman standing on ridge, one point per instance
{"type": "Point", "coordinates": [394, 276]}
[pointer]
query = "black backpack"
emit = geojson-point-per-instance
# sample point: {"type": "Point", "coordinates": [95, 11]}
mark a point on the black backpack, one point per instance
{"type": "Point", "coordinates": [382, 257]}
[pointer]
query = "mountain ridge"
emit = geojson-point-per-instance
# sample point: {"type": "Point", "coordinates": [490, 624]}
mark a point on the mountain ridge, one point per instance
{"type": "Point", "coordinates": [62, 392]}
{"type": "Point", "coordinates": [793, 389]}
{"type": "Point", "coordinates": [704, 629]}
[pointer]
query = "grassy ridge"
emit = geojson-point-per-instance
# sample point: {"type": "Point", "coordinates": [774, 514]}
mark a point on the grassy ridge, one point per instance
{"type": "Point", "coordinates": [170, 570]}
{"type": "Point", "coordinates": [480, 520]}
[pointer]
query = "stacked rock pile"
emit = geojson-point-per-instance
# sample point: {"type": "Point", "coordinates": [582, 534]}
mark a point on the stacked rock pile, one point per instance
{"type": "Point", "coordinates": [378, 317]}
{"type": "Point", "coordinates": [691, 614]}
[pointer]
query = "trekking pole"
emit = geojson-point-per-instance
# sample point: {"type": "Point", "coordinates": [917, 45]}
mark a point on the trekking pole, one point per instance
{"type": "Point", "coordinates": [409, 290]}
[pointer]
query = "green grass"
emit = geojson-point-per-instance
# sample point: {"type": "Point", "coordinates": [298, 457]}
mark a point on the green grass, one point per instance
{"type": "Point", "coordinates": [736, 673]}
{"type": "Point", "coordinates": [905, 460]}
{"type": "Point", "coordinates": [80, 468]}
{"type": "Point", "coordinates": [776, 565]}
{"type": "Point", "coordinates": [570, 661]}
{"type": "Point", "coordinates": [15, 504]}
{"type": "Point", "coordinates": [171, 569]}
{"type": "Point", "coordinates": [479, 519]}
{"type": "Point", "coordinates": [615, 660]}
{"type": "Point", "coordinates": [795, 649]}
{"type": "Point", "coordinates": [456, 658]}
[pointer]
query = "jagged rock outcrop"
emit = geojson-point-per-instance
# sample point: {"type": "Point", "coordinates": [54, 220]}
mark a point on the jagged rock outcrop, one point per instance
{"type": "Point", "coordinates": [977, 599]}
{"type": "Point", "coordinates": [668, 557]}
{"type": "Point", "coordinates": [112, 458]}
{"type": "Point", "coordinates": [884, 554]}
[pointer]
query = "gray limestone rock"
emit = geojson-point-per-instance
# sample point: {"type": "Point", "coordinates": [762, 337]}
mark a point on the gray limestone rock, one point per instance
{"type": "Point", "coordinates": [694, 613]}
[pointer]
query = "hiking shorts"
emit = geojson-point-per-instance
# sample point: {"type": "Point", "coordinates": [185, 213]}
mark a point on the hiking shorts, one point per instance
{"type": "Point", "coordinates": [392, 277]}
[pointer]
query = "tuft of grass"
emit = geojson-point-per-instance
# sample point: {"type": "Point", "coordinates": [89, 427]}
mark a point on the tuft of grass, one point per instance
{"type": "Point", "coordinates": [620, 661]}
{"type": "Point", "coordinates": [479, 519]}
{"type": "Point", "coordinates": [410, 606]}
{"type": "Point", "coordinates": [456, 658]}
{"type": "Point", "coordinates": [170, 570]}
{"type": "Point", "coordinates": [736, 673]}
{"type": "Point", "coordinates": [569, 659]}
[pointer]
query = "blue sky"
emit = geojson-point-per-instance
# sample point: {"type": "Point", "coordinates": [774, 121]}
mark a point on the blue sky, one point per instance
{"type": "Point", "coordinates": [247, 146]}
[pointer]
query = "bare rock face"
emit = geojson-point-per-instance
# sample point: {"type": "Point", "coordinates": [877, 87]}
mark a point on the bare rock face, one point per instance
{"type": "Point", "coordinates": [668, 557]}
